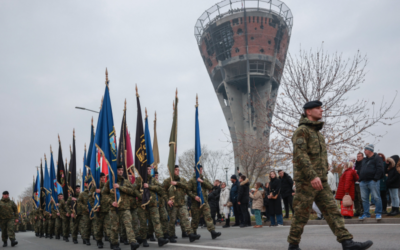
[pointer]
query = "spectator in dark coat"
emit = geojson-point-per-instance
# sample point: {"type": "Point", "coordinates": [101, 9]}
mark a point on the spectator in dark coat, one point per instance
{"type": "Point", "coordinates": [266, 201]}
{"type": "Point", "coordinates": [357, 199]}
{"type": "Point", "coordinates": [243, 200]}
{"type": "Point", "coordinates": [233, 198]}
{"type": "Point", "coordinates": [393, 183]}
{"type": "Point", "coordinates": [275, 205]}
{"type": "Point", "coordinates": [286, 191]}
{"type": "Point", "coordinates": [213, 200]}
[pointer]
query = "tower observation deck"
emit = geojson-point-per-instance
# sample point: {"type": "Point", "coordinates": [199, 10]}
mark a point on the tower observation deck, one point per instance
{"type": "Point", "coordinates": [244, 44]}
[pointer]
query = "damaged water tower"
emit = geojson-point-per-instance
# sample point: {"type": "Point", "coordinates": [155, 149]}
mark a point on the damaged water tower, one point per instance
{"type": "Point", "coordinates": [244, 44]}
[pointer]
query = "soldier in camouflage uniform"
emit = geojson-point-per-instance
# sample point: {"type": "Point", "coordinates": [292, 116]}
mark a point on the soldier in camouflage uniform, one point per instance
{"type": "Point", "coordinates": [134, 215]}
{"type": "Point", "coordinates": [35, 217]}
{"type": "Point", "coordinates": [102, 217]}
{"type": "Point", "coordinates": [76, 213]}
{"type": "Point", "coordinates": [197, 209]}
{"type": "Point", "coordinates": [310, 162]}
{"type": "Point", "coordinates": [120, 211]}
{"type": "Point", "coordinates": [46, 220]}
{"type": "Point", "coordinates": [40, 222]}
{"type": "Point", "coordinates": [83, 210]}
{"type": "Point", "coordinates": [163, 214]}
{"type": "Point", "coordinates": [52, 221]}
{"type": "Point", "coordinates": [176, 203]}
{"type": "Point", "coordinates": [8, 216]}
{"type": "Point", "coordinates": [151, 210]}
{"type": "Point", "coordinates": [60, 214]}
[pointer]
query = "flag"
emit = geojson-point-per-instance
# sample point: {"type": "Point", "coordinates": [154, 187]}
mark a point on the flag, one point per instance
{"type": "Point", "coordinates": [47, 186]}
{"type": "Point", "coordinates": [105, 144]}
{"type": "Point", "coordinates": [84, 173]}
{"type": "Point", "coordinates": [61, 173]}
{"type": "Point", "coordinates": [156, 153]}
{"type": "Point", "coordinates": [140, 153]}
{"type": "Point", "coordinates": [89, 155]}
{"type": "Point", "coordinates": [121, 160]}
{"type": "Point", "coordinates": [42, 194]}
{"type": "Point", "coordinates": [36, 190]}
{"type": "Point", "coordinates": [53, 178]}
{"type": "Point", "coordinates": [149, 149]}
{"type": "Point", "coordinates": [197, 153]}
{"type": "Point", "coordinates": [72, 166]}
{"type": "Point", "coordinates": [129, 156]}
{"type": "Point", "coordinates": [173, 140]}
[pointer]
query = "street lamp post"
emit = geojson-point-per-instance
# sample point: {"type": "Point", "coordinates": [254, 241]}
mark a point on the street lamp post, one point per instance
{"type": "Point", "coordinates": [226, 171]}
{"type": "Point", "coordinates": [86, 109]}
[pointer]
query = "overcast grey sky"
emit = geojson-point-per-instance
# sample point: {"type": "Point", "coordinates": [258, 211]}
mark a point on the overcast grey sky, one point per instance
{"type": "Point", "coordinates": [53, 55]}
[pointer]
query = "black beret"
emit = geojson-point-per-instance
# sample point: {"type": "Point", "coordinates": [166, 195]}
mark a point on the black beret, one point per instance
{"type": "Point", "coordinates": [120, 166]}
{"type": "Point", "coordinates": [77, 186]}
{"type": "Point", "coordinates": [102, 174]}
{"type": "Point", "coordinates": [312, 104]}
{"type": "Point", "coordinates": [155, 172]}
{"type": "Point", "coordinates": [176, 166]}
{"type": "Point", "coordinates": [200, 166]}
{"type": "Point", "coordinates": [5, 192]}
{"type": "Point", "coordinates": [60, 194]}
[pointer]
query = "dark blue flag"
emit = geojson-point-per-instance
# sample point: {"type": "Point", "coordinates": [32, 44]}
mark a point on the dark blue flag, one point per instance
{"type": "Point", "coordinates": [197, 154]}
{"type": "Point", "coordinates": [84, 172]}
{"type": "Point", "coordinates": [149, 148]}
{"type": "Point", "coordinates": [47, 187]}
{"type": "Point", "coordinates": [53, 179]}
{"type": "Point", "coordinates": [36, 191]}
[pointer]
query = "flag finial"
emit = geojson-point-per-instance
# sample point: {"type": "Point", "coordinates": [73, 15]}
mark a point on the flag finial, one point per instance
{"type": "Point", "coordinates": [45, 157]}
{"type": "Point", "coordinates": [106, 75]}
{"type": "Point", "coordinates": [145, 111]}
{"type": "Point", "coordinates": [125, 105]}
{"type": "Point", "coordinates": [85, 147]}
{"type": "Point", "coordinates": [92, 120]}
{"type": "Point", "coordinates": [176, 93]}
{"type": "Point", "coordinates": [173, 105]}
{"type": "Point", "coordinates": [137, 92]}
{"type": "Point", "coordinates": [155, 115]}
{"type": "Point", "coordinates": [101, 104]}
{"type": "Point", "coordinates": [73, 132]}
{"type": "Point", "coordinates": [40, 161]}
{"type": "Point", "coordinates": [51, 149]}
{"type": "Point", "coordinates": [197, 100]}
{"type": "Point", "coordinates": [59, 138]}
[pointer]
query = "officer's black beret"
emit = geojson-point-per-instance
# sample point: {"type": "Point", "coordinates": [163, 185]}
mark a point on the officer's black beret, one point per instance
{"type": "Point", "coordinates": [120, 166]}
{"type": "Point", "coordinates": [200, 166]}
{"type": "Point", "coordinates": [155, 172]}
{"type": "Point", "coordinates": [102, 174]}
{"type": "Point", "coordinates": [5, 192]}
{"type": "Point", "coordinates": [60, 194]}
{"type": "Point", "coordinates": [312, 104]}
{"type": "Point", "coordinates": [176, 166]}
{"type": "Point", "coordinates": [77, 186]}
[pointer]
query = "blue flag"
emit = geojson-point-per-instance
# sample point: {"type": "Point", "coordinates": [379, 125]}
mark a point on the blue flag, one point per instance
{"type": "Point", "coordinates": [87, 165]}
{"type": "Point", "coordinates": [105, 144]}
{"type": "Point", "coordinates": [36, 191]}
{"type": "Point", "coordinates": [197, 155]}
{"type": "Point", "coordinates": [149, 148]}
{"type": "Point", "coordinates": [53, 179]}
{"type": "Point", "coordinates": [84, 173]}
{"type": "Point", "coordinates": [47, 187]}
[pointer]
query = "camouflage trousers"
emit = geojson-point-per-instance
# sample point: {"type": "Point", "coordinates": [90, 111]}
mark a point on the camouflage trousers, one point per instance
{"type": "Point", "coordinates": [75, 226]}
{"type": "Point", "coordinates": [45, 225]}
{"type": "Point", "coordinates": [50, 228]}
{"type": "Point", "coordinates": [124, 217]}
{"type": "Point", "coordinates": [143, 227]}
{"type": "Point", "coordinates": [7, 229]}
{"type": "Point", "coordinates": [58, 226]}
{"type": "Point", "coordinates": [135, 224]}
{"type": "Point", "coordinates": [182, 213]}
{"type": "Point", "coordinates": [85, 226]}
{"type": "Point", "coordinates": [101, 225]}
{"type": "Point", "coordinates": [302, 205]}
{"type": "Point", "coordinates": [37, 226]}
{"type": "Point", "coordinates": [163, 220]}
{"type": "Point", "coordinates": [197, 212]}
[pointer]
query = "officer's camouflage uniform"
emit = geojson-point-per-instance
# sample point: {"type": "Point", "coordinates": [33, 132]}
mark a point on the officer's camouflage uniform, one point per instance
{"type": "Point", "coordinates": [83, 210]}
{"type": "Point", "coordinates": [8, 215]}
{"type": "Point", "coordinates": [102, 218]}
{"type": "Point", "coordinates": [134, 215]}
{"type": "Point", "coordinates": [177, 195]}
{"type": "Point", "coordinates": [123, 215]}
{"type": "Point", "coordinates": [40, 221]}
{"type": "Point", "coordinates": [52, 221]}
{"type": "Point", "coordinates": [63, 219]}
{"type": "Point", "coordinates": [310, 160]}
{"type": "Point", "coordinates": [73, 208]}
{"type": "Point", "coordinates": [46, 222]}
{"type": "Point", "coordinates": [163, 215]}
{"type": "Point", "coordinates": [34, 214]}
{"type": "Point", "coordinates": [197, 209]}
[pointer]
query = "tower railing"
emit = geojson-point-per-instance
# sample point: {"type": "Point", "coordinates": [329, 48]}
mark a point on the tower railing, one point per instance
{"type": "Point", "coordinates": [229, 7]}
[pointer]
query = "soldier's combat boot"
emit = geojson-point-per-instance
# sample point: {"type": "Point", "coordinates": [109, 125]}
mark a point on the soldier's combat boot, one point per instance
{"type": "Point", "coordinates": [116, 247]}
{"type": "Point", "coordinates": [46, 236]}
{"type": "Point", "coordinates": [214, 234]}
{"type": "Point", "coordinates": [14, 242]}
{"type": "Point", "coordinates": [66, 239]}
{"type": "Point", "coordinates": [100, 244]}
{"type": "Point", "coordinates": [51, 236]}
{"type": "Point", "coordinates": [126, 242]}
{"type": "Point", "coordinates": [185, 235]}
{"type": "Point", "coordinates": [111, 245]}
{"type": "Point", "coordinates": [4, 243]}
{"type": "Point", "coordinates": [83, 241]}
{"type": "Point", "coordinates": [145, 244]}
{"type": "Point", "coordinates": [293, 247]}
{"type": "Point", "coordinates": [351, 245]}
{"type": "Point", "coordinates": [193, 237]}
{"type": "Point", "coordinates": [75, 240]}
{"type": "Point", "coordinates": [106, 238]}
{"type": "Point", "coordinates": [151, 237]}
{"type": "Point", "coordinates": [139, 240]}
{"type": "Point", "coordinates": [88, 242]}
{"type": "Point", "coordinates": [162, 241]}
{"type": "Point", "coordinates": [172, 239]}
{"type": "Point", "coordinates": [37, 235]}
{"type": "Point", "coordinates": [134, 245]}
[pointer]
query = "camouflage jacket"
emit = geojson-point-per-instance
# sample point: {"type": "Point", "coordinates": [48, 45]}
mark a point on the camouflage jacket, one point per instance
{"type": "Point", "coordinates": [62, 207]}
{"type": "Point", "coordinates": [177, 193]}
{"type": "Point", "coordinates": [125, 190]}
{"type": "Point", "coordinates": [191, 188]}
{"type": "Point", "coordinates": [8, 209]}
{"type": "Point", "coordinates": [82, 203]}
{"type": "Point", "coordinates": [310, 158]}
{"type": "Point", "coordinates": [156, 191]}
{"type": "Point", "coordinates": [53, 211]}
{"type": "Point", "coordinates": [72, 207]}
{"type": "Point", "coordinates": [133, 199]}
{"type": "Point", "coordinates": [104, 199]}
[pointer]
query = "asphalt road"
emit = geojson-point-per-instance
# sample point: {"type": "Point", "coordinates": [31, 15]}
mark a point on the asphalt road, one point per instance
{"type": "Point", "coordinates": [384, 236]}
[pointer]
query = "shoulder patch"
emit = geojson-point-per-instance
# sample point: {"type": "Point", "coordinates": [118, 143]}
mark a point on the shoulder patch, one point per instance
{"type": "Point", "coordinates": [300, 141]}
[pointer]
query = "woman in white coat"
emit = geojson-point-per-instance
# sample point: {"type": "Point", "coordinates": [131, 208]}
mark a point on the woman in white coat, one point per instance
{"type": "Point", "coordinates": [223, 201]}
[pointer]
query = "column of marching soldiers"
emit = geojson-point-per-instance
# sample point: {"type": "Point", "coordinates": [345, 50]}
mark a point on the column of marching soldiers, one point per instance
{"type": "Point", "coordinates": [134, 206]}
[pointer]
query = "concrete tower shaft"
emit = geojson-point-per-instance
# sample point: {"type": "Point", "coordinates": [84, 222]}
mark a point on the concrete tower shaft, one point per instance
{"type": "Point", "coordinates": [244, 44]}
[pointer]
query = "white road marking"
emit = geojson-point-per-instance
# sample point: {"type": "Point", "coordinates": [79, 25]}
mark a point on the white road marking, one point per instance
{"type": "Point", "coordinates": [200, 246]}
